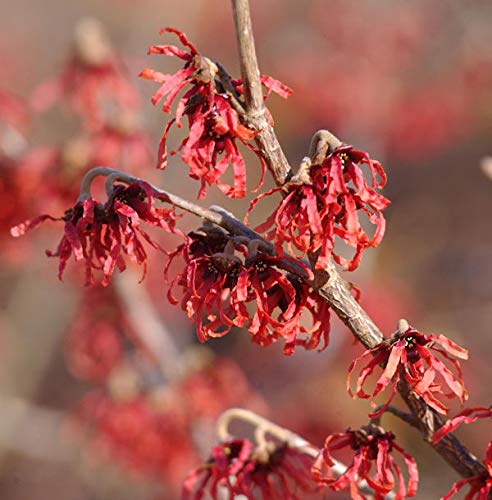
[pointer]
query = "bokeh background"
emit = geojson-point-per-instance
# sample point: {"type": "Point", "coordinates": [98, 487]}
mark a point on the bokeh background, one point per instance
{"type": "Point", "coordinates": [86, 411]}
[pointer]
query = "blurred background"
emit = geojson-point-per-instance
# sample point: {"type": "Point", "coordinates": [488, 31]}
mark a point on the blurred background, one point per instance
{"type": "Point", "coordinates": [105, 393]}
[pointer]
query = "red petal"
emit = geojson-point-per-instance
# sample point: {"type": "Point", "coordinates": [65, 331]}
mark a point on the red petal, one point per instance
{"type": "Point", "coordinates": [182, 37]}
{"type": "Point", "coordinates": [274, 85]}
{"type": "Point", "coordinates": [27, 225]}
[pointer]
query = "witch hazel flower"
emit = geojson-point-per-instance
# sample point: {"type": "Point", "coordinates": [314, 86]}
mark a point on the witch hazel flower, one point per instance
{"type": "Point", "coordinates": [480, 485]}
{"type": "Point", "coordinates": [373, 461]}
{"type": "Point", "coordinates": [206, 390]}
{"type": "Point", "coordinates": [121, 143]}
{"type": "Point", "coordinates": [230, 283]}
{"type": "Point", "coordinates": [237, 467]}
{"type": "Point", "coordinates": [281, 300]}
{"type": "Point", "coordinates": [211, 105]}
{"type": "Point", "coordinates": [99, 235]}
{"type": "Point", "coordinates": [146, 438]}
{"type": "Point", "coordinates": [92, 82]}
{"type": "Point", "coordinates": [322, 202]}
{"type": "Point", "coordinates": [420, 360]}
{"type": "Point", "coordinates": [208, 281]}
{"type": "Point", "coordinates": [98, 336]}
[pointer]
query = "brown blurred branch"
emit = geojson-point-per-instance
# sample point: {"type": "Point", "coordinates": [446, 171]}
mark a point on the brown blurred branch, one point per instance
{"type": "Point", "coordinates": [486, 166]}
{"type": "Point", "coordinates": [149, 328]}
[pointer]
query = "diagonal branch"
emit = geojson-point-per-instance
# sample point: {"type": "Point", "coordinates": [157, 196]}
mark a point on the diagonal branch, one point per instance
{"type": "Point", "coordinates": [264, 427]}
{"type": "Point", "coordinates": [329, 283]}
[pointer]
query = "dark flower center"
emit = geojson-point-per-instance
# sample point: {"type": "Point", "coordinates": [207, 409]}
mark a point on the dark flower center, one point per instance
{"type": "Point", "coordinates": [261, 266]}
{"type": "Point", "coordinates": [344, 157]}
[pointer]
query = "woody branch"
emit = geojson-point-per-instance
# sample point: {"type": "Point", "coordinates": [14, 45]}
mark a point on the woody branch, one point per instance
{"type": "Point", "coordinates": [328, 282]}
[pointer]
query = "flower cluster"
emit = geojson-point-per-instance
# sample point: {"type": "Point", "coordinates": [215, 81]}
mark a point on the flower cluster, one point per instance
{"type": "Point", "coordinates": [52, 173]}
{"type": "Point", "coordinates": [153, 441]}
{"type": "Point", "coordinates": [480, 485]}
{"type": "Point", "coordinates": [322, 202]}
{"type": "Point", "coordinates": [206, 390]}
{"type": "Point", "coordinates": [99, 234]}
{"type": "Point", "coordinates": [148, 426]}
{"type": "Point", "coordinates": [223, 276]}
{"type": "Point", "coordinates": [237, 468]}
{"type": "Point", "coordinates": [211, 105]}
{"type": "Point", "coordinates": [372, 447]}
{"type": "Point", "coordinates": [411, 355]}
{"type": "Point", "coordinates": [98, 336]}
{"type": "Point", "coordinates": [92, 83]}
{"type": "Point", "coordinates": [102, 101]}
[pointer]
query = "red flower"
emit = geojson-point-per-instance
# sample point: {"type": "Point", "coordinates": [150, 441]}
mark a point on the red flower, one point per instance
{"type": "Point", "coordinates": [236, 467]}
{"type": "Point", "coordinates": [99, 234]}
{"type": "Point", "coordinates": [480, 485]}
{"type": "Point", "coordinates": [223, 276]}
{"type": "Point", "coordinates": [152, 440]}
{"type": "Point", "coordinates": [323, 203]}
{"type": "Point", "coordinates": [210, 147]}
{"type": "Point", "coordinates": [214, 123]}
{"type": "Point", "coordinates": [281, 300]}
{"type": "Point", "coordinates": [91, 77]}
{"type": "Point", "coordinates": [118, 147]}
{"type": "Point", "coordinates": [466, 416]}
{"type": "Point", "coordinates": [99, 335]}
{"type": "Point", "coordinates": [372, 446]}
{"type": "Point", "coordinates": [208, 280]}
{"type": "Point", "coordinates": [207, 391]}
{"type": "Point", "coordinates": [411, 355]}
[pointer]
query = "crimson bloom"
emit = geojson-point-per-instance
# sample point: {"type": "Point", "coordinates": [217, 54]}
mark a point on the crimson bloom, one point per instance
{"type": "Point", "coordinates": [281, 300]}
{"type": "Point", "coordinates": [93, 80]}
{"type": "Point", "coordinates": [115, 146]}
{"type": "Point", "coordinates": [214, 123]}
{"type": "Point", "coordinates": [410, 355]}
{"type": "Point", "coordinates": [323, 202]}
{"type": "Point", "coordinates": [207, 281]}
{"type": "Point", "coordinates": [480, 485]}
{"type": "Point", "coordinates": [98, 336]}
{"type": "Point", "coordinates": [237, 468]}
{"type": "Point", "coordinates": [227, 284]}
{"type": "Point", "coordinates": [151, 440]}
{"type": "Point", "coordinates": [206, 390]}
{"type": "Point", "coordinates": [99, 234]}
{"type": "Point", "coordinates": [372, 446]}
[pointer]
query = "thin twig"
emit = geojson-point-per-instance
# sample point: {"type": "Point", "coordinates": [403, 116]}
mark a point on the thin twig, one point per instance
{"type": "Point", "coordinates": [409, 418]}
{"type": "Point", "coordinates": [283, 435]}
{"type": "Point", "coordinates": [255, 116]}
